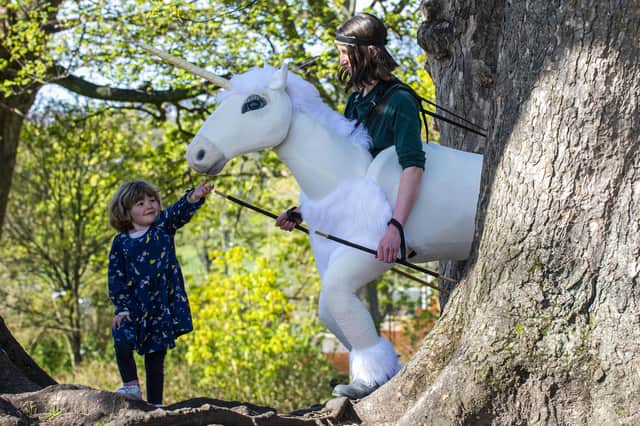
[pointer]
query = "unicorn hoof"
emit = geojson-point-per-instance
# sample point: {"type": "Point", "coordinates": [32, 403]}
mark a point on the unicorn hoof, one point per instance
{"type": "Point", "coordinates": [355, 390]}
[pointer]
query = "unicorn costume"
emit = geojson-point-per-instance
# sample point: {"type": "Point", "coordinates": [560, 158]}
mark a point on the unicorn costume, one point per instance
{"type": "Point", "coordinates": [329, 158]}
{"type": "Point", "coordinates": [343, 192]}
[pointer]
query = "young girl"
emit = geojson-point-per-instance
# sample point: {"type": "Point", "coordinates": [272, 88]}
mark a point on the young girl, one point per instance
{"type": "Point", "coordinates": [145, 281]}
{"type": "Point", "coordinates": [391, 118]}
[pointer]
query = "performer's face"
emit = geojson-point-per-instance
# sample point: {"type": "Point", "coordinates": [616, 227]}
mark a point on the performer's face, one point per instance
{"type": "Point", "coordinates": [343, 57]}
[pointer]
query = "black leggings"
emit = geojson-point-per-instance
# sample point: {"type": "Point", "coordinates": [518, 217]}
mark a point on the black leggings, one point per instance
{"type": "Point", "coordinates": [153, 365]}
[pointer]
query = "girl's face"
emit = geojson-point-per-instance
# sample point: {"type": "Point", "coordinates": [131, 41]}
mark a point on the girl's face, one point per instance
{"type": "Point", "coordinates": [144, 212]}
{"type": "Point", "coordinates": [343, 57]}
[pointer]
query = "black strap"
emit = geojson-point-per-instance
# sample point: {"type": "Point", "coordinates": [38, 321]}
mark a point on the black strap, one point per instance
{"type": "Point", "coordinates": [381, 98]}
{"type": "Point", "coordinates": [403, 248]}
{"type": "Point", "coordinates": [478, 130]}
{"type": "Point", "coordinates": [359, 41]}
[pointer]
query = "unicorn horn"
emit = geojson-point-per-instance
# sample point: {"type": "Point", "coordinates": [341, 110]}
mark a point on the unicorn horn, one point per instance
{"type": "Point", "coordinates": [193, 69]}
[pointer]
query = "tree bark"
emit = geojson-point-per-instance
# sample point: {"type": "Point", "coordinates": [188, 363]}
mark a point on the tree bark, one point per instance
{"type": "Point", "coordinates": [545, 325]}
{"type": "Point", "coordinates": [462, 64]}
{"type": "Point", "coordinates": [12, 113]}
{"type": "Point", "coordinates": [18, 371]}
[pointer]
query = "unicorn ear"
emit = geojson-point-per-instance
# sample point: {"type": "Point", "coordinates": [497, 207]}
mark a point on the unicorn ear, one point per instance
{"type": "Point", "coordinates": [279, 79]}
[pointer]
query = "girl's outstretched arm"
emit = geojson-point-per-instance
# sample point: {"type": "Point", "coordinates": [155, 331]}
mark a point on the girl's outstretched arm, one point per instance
{"type": "Point", "coordinates": [181, 212]}
{"type": "Point", "coordinates": [199, 192]}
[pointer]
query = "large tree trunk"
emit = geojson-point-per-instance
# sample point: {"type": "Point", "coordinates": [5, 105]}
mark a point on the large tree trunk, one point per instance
{"type": "Point", "coordinates": [18, 372]}
{"type": "Point", "coordinates": [463, 73]}
{"type": "Point", "coordinates": [545, 325]}
{"type": "Point", "coordinates": [12, 112]}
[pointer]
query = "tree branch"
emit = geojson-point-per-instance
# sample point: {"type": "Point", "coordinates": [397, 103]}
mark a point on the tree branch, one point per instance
{"type": "Point", "coordinates": [85, 88]}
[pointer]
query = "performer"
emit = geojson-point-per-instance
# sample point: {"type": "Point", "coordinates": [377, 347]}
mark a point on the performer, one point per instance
{"type": "Point", "coordinates": [392, 118]}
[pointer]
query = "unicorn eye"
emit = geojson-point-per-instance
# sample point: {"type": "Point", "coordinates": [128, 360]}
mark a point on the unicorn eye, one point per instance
{"type": "Point", "coordinates": [253, 103]}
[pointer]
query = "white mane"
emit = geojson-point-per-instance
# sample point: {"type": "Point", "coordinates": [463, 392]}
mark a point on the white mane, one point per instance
{"type": "Point", "coordinates": [305, 99]}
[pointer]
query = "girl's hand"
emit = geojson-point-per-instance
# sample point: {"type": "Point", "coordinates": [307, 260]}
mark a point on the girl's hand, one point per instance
{"type": "Point", "coordinates": [117, 320]}
{"type": "Point", "coordinates": [200, 192]}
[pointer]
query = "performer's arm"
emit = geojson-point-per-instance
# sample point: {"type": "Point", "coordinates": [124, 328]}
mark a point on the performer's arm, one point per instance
{"type": "Point", "coordinates": [409, 187]}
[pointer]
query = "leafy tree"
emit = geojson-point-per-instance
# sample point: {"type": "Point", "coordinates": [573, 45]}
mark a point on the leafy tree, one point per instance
{"type": "Point", "coordinates": [57, 42]}
{"type": "Point", "coordinates": [248, 342]}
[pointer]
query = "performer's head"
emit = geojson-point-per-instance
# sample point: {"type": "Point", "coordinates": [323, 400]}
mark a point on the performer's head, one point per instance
{"type": "Point", "coordinates": [363, 57]}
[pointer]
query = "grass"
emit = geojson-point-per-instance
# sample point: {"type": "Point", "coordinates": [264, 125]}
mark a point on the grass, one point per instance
{"type": "Point", "coordinates": [54, 412]}
{"type": "Point", "coordinates": [104, 375]}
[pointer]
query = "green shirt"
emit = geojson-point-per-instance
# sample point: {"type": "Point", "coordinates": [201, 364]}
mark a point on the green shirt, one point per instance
{"type": "Point", "coordinates": [397, 124]}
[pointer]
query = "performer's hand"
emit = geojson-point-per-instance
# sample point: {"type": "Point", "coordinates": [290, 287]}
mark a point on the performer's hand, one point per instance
{"type": "Point", "coordinates": [200, 192]}
{"type": "Point", "coordinates": [117, 319]}
{"type": "Point", "coordinates": [283, 221]}
{"type": "Point", "coordinates": [389, 245]}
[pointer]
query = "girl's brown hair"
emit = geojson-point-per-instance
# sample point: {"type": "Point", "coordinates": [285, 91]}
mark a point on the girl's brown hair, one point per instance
{"type": "Point", "coordinates": [368, 62]}
{"type": "Point", "coordinates": [123, 200]}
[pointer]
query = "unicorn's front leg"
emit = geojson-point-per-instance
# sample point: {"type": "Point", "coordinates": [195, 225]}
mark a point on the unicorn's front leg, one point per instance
{"type": "Point", "coordinates": [372, 359]}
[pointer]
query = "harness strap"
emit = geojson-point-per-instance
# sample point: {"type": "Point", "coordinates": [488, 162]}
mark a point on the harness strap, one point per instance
{"type": "Point", "coordinates": [381, 98]}
{"type": "Point", "coordinates": [376, 105]}
{"type": "Point", "coordinates": [403, 248]}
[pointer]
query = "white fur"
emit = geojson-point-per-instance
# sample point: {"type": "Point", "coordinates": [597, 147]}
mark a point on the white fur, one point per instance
{"type": "Point", "coordinates": [374, 365]}
{"type": "Point", "coordinates": [356, 211]}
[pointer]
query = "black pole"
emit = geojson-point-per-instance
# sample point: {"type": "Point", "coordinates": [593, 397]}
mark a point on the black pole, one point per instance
{"type": "Point", "coordinates": [344, 242]}
{"type": "Point", "coordinates": [400, 261]}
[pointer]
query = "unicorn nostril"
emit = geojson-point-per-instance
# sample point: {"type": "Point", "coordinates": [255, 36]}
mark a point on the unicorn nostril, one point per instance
{"type": "Point", "coordinates": [200, 154]}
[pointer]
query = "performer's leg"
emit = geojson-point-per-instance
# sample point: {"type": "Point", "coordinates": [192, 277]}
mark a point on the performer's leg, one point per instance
{"type": "Point", "coordinates": [328, 320]}
{"type": "Point", "coordinates": [372, 358]}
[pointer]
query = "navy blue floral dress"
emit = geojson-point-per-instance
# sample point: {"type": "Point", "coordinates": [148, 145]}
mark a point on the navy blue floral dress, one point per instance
{"type": "Point", "coordinates": [145, 279]}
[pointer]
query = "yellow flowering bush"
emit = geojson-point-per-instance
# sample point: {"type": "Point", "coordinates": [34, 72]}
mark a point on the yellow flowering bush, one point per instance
{"type": "Point", "coordinates": [249, 342]}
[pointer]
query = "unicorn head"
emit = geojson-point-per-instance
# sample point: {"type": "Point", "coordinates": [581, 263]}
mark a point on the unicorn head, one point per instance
{"type": "Point", "coordinates": [251, 116]}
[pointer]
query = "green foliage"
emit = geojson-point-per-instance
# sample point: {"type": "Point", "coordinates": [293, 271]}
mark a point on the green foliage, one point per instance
{"type": "Point", "coordinates": [24, 42]}
{"type": "Point", "coordinates": [408, 306]}
{"type": "Point", "coordinates": [248, 342]}
{"type": "Point", "coordinates": [425, 88]}
{"type": "Point", "coordinates": [95, 38]}
{"type": "Point", "coordinates": [50, 351]}
{"type": "Point", "coordinates": [53, 413]}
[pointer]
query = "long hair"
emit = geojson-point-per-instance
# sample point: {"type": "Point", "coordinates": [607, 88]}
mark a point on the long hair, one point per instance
{"type": "Point", "coordinates": [371, 61]}
{"type": "Point", "coordinates": [123, 200]}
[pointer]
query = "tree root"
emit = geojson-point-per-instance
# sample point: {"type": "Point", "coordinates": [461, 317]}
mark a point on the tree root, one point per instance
{"type": "Point", "coordinates": [80, 405]}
